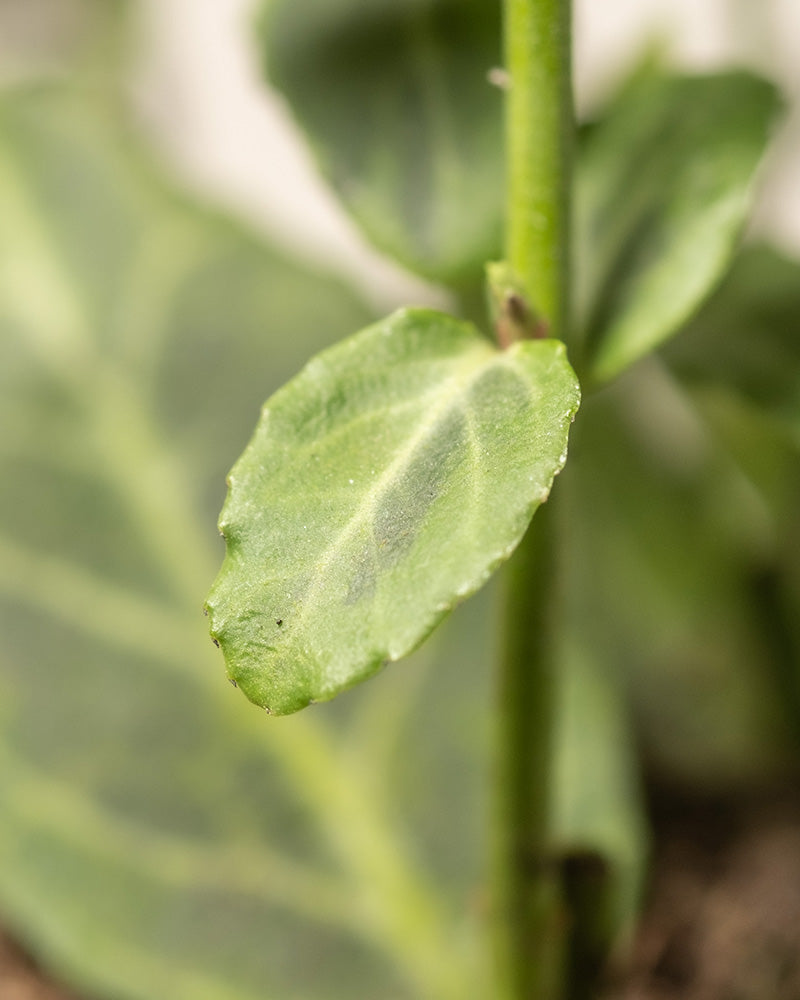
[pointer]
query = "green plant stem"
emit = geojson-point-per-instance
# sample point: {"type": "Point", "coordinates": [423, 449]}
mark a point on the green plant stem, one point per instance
{"type": "Point", "coordinates": [529, 907]}
{"type": "Point", "coordinates": [529, 911]}
{"type": "Point", "coordinates": [539, 139]}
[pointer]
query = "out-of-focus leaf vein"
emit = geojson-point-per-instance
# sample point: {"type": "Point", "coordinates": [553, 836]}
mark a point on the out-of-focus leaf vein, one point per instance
{"type": "Point", "coordinates": [123, 618]}
{"type": "Point", "coordinates": [36, 284]}
{"type": "Point", "coordinates": [266, 873]}
{"type": "Point", "coordinates": [96, 606]}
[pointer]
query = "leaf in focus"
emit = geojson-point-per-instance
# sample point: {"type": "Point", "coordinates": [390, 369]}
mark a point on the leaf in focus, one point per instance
{"type": "Point", "coordinates": [383, 485]}
{"type": "Point", "coordinates": [157, 838]}
{"type": "Point", "coordinates": [406, 126]}
{"type": "Point", "coordinates": [664, 187]}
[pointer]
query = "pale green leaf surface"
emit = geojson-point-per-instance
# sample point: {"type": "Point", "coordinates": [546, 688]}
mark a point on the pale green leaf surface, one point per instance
{"type": "Point", "coordinates": [663, 189]}
{"type": "Point", "coordinates": [158, 837]}
{"type": "Point", "coordinates": [383, 485]}
{"type": "Point", "coordinates": [406, 126]}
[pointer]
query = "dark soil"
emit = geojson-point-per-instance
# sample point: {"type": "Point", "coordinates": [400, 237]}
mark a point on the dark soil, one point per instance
{"type": "Point", "coordinates": [722, 921]}
{"type": "Point", "coordinates": [723, 917]}
{"type": "Point", "coordinates": [22, 979]}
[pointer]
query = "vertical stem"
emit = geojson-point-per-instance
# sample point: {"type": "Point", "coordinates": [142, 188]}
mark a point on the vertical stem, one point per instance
{"type": "Point", "coordinates": [530, 929]}
{"type": "Point", "coordinates": [530, 914]}
{"type": "Point", "coordinates": [539, 137]}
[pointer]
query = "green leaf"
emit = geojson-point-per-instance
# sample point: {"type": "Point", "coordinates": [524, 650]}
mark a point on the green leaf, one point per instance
{"type": "Point", "coordinates": [680, 539]}
{"type": "Point", "coordinates": [663, 189]}
{"type": "Point", "coordinates": [157, 838]}
{"type": "Point", "coordinates": [740, 360]}
{"type": "Point", "coordinates": [597, 808]}
{"type": "Point", "coordinates": [747, 339]}
{"type": "Point", "coordinates": [383, 485]}
{"type": "Point", "coordinates": [397, 105]}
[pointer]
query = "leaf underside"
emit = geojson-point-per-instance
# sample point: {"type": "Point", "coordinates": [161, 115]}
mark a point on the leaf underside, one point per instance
{"type": "Point", "coordinates": [383, 485]}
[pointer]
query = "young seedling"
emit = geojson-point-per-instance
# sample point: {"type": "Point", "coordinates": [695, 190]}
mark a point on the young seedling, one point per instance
{"type": "Point", "coordinates": [388, 480]}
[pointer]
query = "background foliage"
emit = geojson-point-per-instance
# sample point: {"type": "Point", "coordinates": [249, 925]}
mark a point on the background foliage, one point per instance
{"type": "Point", "coordinates": [158, 836]}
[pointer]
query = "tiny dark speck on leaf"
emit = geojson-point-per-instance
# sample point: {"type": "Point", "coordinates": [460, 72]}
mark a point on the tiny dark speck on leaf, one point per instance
{"type": "Point", "coordinates": [279, 622]}
{"type": "Point", "coordinates": [233, 682]}
{"type": "Point", "coordinates": [216, 642]}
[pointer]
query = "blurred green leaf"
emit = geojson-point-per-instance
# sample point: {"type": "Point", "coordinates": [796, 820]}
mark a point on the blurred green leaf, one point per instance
{"type": "Point", "coordinates": [663, 190]}
{"type": "Point", "coordinates": [158, 837]}
{"type": "Point", "coordinates": [740, 359]}
{"type": "Point", "coordinates": [664, 517]}
{"type": "Point", "coordinates": [598, 815]}
{"type": "Point", "coordinates": [383, 485]}
{"type": "Point", "coordinates": [747, 339]}
{"type": "Point", "coordinates": [406, 126]}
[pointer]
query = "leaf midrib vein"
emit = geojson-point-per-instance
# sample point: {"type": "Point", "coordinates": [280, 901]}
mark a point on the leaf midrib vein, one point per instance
{"type": "Point", "coordinates": [466, 373]}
